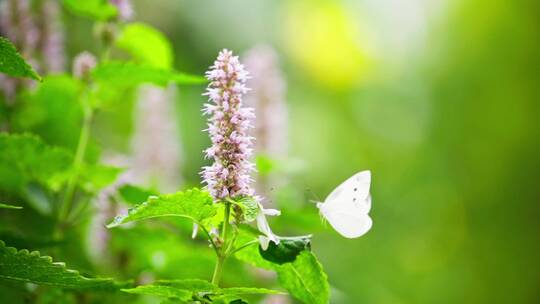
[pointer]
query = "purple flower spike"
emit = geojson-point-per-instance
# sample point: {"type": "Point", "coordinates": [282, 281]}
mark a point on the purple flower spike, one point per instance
{"type": "Point", "coordinates": [228, 126]}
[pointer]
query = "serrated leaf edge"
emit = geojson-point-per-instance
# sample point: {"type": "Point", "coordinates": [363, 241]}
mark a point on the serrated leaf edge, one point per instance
{"type": "Point", "coordinates": [118, 220]}
{"type": "Point", "coordinates": [32, 73]}
{"type": "Point", "coordinates": [48, 259]}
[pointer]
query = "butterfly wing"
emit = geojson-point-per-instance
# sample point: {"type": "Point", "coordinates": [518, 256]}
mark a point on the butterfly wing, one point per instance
{"type": "Point", "coordinates": [348, 224]}
{"type": "Point", "coordinates": [347, 207]}
{"type": "Point", "coordinates": [354, 191]}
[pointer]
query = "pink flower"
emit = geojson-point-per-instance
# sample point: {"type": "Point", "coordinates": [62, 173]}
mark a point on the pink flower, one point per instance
{"type": "Point", "coordinates": [83, 64]}
{"type": "Point", "coordinates": [125, 9]}
{"type": "Point", "coordinates": [228, 126]}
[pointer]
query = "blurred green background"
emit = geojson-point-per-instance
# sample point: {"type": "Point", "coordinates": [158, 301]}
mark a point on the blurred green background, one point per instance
{"type": "Point", "coordinates": [440, 99]}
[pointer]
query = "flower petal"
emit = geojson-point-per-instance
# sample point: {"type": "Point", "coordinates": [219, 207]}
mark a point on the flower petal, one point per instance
{"type": "Point", "coordinates": [264, 241]}
{"type": "Point", "coordinates": [195, 230]}
{"type": "Point", "coordinates": [262, 225]}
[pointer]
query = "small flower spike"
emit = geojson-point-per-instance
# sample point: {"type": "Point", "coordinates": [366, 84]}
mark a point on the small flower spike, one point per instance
{"type": "Point", "coordinates": [228, 126]}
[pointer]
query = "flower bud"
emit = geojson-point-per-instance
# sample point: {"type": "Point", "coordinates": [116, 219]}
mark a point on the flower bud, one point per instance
{"type": "Point", "coordinates": [83, 64]}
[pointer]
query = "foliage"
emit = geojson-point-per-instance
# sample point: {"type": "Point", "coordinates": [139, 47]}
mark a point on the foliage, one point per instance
{"type": "Point", "coordinates": [194, 204]}
{"type": "Point", "coordinates": [25, 266]}
{"type": "Point", "coordinates": [132, 74]}
{"type": "Point", "coordinates": [6, 206]}
{"type": "Point", "coordinates": [12, 63]}
{"type": "Point", "coordinates": [52, 111]}
{"type": "Point", "coordinates": [133, 195]}
{"type": "Point", "coordinates": [96, 9]}
{"type": "Point", "coordinates": [298, 269]}
{"type": "Point", "coordinates": [95, 177]}
{"type": "Point", "coordinates": [196, 290]}
{"type": "Point", "coordinates": [305, 279]}
{"type": "Point", "coordinates": [287, 250]}
{"type": "Point", "coordinates": [26, 158]}
{"type": "Point", "coordinates": [51, 156]}
{"type": "Point", "coordinates": [146, 45]}
{"type": "Point", "coordinates": [249, 208]}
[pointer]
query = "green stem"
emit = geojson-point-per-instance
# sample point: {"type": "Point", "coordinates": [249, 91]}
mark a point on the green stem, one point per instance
{"type": "Point", "coordinates": [106, 53]}
{"type": "Point", "coordinates": [243, 247]}
{"type": "Point", "coordinates": [222, 253]}
{"type": "Point", "coordinates": [80, 153]}
{"type": "Point", "coordinates": [217, 271]}
{"type": "Point", "coordinates": [216, 249]}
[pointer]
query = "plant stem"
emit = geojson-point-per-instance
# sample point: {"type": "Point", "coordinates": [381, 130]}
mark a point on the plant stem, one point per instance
{"type": "Point", "coordinates": [217, 271]}
{"type": "Point", "coordinates": [222, 256]}
{"type": "Point", "coordinates": [225, 224]}
{"type": "Point", "coordinates": [80, 153]}
{"type": "Point", "coordinates": [243, 246]}
{"type": "Point", "coordinates": [216, 249]}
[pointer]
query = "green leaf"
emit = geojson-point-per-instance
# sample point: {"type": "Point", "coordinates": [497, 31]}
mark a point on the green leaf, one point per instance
{"type": "Point", "coordinates": [25, 266]}
{"type": "Point", "coordinates": [96, 9]}
{"type": "Point", "coordinates": [52, 111]}
{"type": "Point", "coordinates": [305, 279]}
{"type": "Point", "coordinates": [6, 206]}
{"type": "Point", "coordinates": [238, 291]}
{"type": "Point", "coordinates": [194, 285]}
{"type": "Point", "coordinates": [218, 218]}
{"type": "Point", "coordinates": [146, 45]}
{"type": "Point", "coordinates": [132, 74]}
{"type": "Point", "coordinates": [228, 300]}
{"type": "Point", "coordinates": [249, 207]}
{"type": "Point", "coordinates": [12, 63]}
{"type": "Point", "coordinates": [161, 291]}
{"type": "Point", "coordinates": [134, 195]}
{"type": "Point", "coordinates": [251, 253]}
{"type": "Point", "coordinates": [194, 204]}
{"type": "Point", "coordinates": [203, 286]}
{"type": "Point", "coordinates": [238, 301]}
{"type": "Point", "coordinates": [113, 96]}
{"type": "Point", "coordinates": [164, 254]}
{"type": "Point", "coordinates": [97, 176]}
{"type": "Point", "coordinates": [25, 158]}
{"type": "Point", "coordinates": [195, 288]}
{"type": "Point", "coordinates": [173, 301]}
{"type": "Point", "coordinates": [287, 250]}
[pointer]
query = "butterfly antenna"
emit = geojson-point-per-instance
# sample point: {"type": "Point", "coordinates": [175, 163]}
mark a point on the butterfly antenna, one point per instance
{"type": "Point", "coordinates": [323, 221]}
{"type": "Point", "coordinates": [318, 200]}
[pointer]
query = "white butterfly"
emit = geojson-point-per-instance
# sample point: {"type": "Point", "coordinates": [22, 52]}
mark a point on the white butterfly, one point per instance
{"type": "Point", "coordinates": [347, 207]}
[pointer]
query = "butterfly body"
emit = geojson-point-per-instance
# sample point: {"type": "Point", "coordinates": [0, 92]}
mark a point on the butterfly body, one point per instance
{"type": "Point", "coordinates": [347, 207]}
